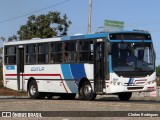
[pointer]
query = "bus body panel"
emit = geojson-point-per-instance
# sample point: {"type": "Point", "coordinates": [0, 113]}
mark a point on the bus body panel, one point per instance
{"type": "Point", "coordinates": [62, 79]}
{"type": "Point", "coordinates": [56, 78]}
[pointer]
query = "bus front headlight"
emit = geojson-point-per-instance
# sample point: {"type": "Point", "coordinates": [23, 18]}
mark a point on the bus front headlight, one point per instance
{"type": "Point", "coordinates": [151, 82]}
{"type": "Point", "coordinates": [115, 83]}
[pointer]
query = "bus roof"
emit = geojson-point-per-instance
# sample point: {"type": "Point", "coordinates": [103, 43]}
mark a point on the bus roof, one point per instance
{"type": "Point", "coordinates": [65, 38]}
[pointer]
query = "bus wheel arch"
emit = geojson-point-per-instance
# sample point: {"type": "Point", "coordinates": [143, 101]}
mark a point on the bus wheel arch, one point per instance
{"type": "Point", "coordinates": [81, 83]}
{"type": "Point", "coordinates": [85, 90]}
{"type": "Point", "coordinates": [29, 81]}
{"type": "Point", "coordinates": [32, 89]}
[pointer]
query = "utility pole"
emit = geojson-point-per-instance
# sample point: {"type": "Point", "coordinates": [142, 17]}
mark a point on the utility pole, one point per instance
{"type": "Point", "coordinates": [89, 16]}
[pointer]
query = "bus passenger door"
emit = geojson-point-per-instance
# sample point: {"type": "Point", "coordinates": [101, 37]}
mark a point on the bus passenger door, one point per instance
{"type": "Point", "coordinates": [20, 67]}
{"type": "Point", "coordinates": [99, 60]}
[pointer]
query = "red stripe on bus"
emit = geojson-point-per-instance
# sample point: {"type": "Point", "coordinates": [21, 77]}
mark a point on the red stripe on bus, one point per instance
{"type": "Point", "coordinates": [35, 75]}
{"type": "Point", "coordinates": [41, 75]}
{"type": "Point", "coordinates": [10, 74]}
{"type": "Point", "coordinates": [63, 83]}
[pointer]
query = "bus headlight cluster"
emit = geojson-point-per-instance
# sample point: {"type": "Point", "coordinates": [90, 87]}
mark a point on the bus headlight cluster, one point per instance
{"type": "Point", "coordinates": [115, 83]}
{"type": "Point", "coordinates": [151, 82]}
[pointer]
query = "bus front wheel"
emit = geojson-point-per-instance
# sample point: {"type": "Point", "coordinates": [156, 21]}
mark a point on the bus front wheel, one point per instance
{"type": "Point", "coordinates": [86, 91]}
{"type": "Point", "coordinates": [125, 96]}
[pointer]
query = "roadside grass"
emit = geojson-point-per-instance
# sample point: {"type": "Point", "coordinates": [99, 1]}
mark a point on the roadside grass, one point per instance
{"type": "Point", "coordinates": [1, 80]}
{"type": "Point", "coordinates": [158, 81]}
{"type": "Point", "coordinates": [9, 92]}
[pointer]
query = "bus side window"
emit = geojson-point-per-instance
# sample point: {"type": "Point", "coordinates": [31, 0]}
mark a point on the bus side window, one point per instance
{"type": "Point", "coordinates": [86, 51]}
{"type": "Point", "coordinates": [55, 52]}
{"type": "Point", "coordinates": [30, 51]}
{"type": "Point", "coordinates": [27, 56]}
{"type": "Point", "coordinates": [66, 59]}
{"type": "Point", "coordinates": [10, 55]}
{"type": "Point", "coordinates": [70, 52]}
{"type": "Point", "coordinates": [42, 53]}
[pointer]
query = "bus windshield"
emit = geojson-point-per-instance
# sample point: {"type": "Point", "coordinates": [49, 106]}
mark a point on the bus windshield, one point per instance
{"type": "Point", "coordinates": [132, 57]}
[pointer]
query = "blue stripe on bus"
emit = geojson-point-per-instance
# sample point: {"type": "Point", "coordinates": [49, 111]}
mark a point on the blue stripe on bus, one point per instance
{"type": "Point", "coordinates": [130, 82]}
{"type": "Point", "coordinates": [131, 41]}
{"type": "Point", "coordinates": [10, 67]}
{"type": "Point", "coordinates": [65, 38]}
{"type": "Point", "coordinates": [148, 41]}
{"type": "Point", "coordinates": [96, 35]}
{"type": "Point", "coordinates": [77, 37]}
{"type": "Point", "coordinates": [66, 71]}
{"type": "Point", "coordinates": [78, 71]}
{"type": "Point", "coordinates": [110, 64]}
{"type": "Point", "coordinates": [88, 36]}
{"type": "Point", "coordinates": [68, 75]}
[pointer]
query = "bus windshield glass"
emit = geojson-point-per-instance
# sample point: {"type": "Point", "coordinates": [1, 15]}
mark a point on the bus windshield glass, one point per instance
{"type": "Point", "coordinates": [132, 57]}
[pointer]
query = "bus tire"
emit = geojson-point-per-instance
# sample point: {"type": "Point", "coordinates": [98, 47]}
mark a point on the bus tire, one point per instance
{"type": "Point", "coordinates": [86, 91]}
{"type": "Point", "coordinates": [33, 90]}
{"type": "Point", "coordinates": [124, 96]}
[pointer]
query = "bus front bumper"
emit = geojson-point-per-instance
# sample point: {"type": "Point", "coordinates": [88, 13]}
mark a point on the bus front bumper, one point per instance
{"type": "Point", "coordinates": [132, 88]}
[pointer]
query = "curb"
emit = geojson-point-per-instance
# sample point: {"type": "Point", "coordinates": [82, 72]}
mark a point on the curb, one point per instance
{"type": "Point", "coordinates": [13, 97]}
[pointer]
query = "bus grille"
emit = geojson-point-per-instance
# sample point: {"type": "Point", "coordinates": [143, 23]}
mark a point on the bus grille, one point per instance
{"type": "Point", "coordinates": [134, 88]}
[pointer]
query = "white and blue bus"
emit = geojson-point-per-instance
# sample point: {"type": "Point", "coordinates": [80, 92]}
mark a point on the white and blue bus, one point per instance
{"type": "Point", "coordinates": [116, 63]}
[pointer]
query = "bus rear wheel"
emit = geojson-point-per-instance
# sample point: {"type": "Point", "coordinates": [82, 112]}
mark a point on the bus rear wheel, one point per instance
{"type": "Point", "coordinates": [86, 91]}
{"type": "Point", "coordinates": [33, 90]}
{"type": "Point", "coordinates": [125, 96]}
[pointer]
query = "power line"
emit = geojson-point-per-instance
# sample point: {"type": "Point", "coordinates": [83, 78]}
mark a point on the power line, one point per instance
{"type": "Point", "coordinates": [33, 12]}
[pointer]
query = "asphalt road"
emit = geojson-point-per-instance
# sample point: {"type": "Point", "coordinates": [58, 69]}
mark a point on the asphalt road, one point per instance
{"type": "Point", "coordinates": [102, 103]}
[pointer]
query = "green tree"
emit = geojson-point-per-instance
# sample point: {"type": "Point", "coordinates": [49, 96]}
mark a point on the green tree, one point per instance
{"type": "Point", "coordinates": [158, 70]}
{"type": "Point", "coordinates": [158, 75]}
{"type": "Point", "coordinates": [43, 26]}
{"type": "Point", "coordinates": [14, 37]}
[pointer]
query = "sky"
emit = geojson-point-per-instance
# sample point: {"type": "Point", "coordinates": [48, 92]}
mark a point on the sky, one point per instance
{"type": "Point", "coordinates": [136, 14]}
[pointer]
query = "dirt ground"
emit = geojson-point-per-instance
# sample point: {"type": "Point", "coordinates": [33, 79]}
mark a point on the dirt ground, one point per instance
{"type": "Point", "coordinates": [8, 92]}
